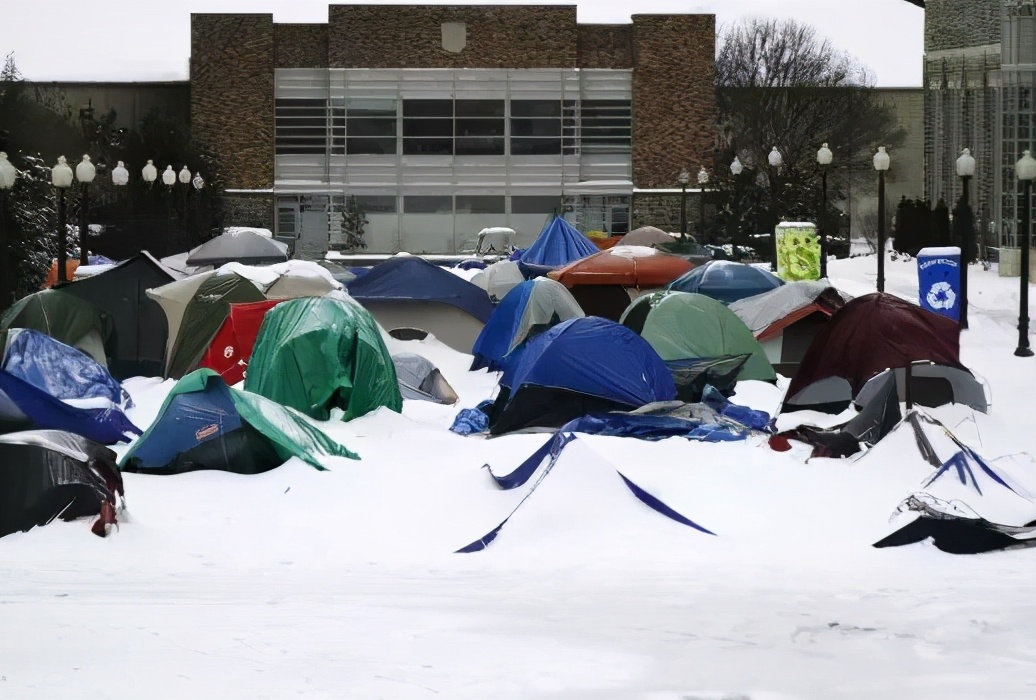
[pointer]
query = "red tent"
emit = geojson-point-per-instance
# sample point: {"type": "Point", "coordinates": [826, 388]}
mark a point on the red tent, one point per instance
{"type": "Point", "coordinates": [232, 345]}
{"type": "Point", "coordinates": [873, 333]}
{"type": "Point", "coordinates": [628, 266]}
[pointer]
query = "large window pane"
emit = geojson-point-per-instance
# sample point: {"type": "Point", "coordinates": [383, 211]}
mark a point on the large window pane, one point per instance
{"type": "Point", "coordinates": [300, 126]}
{"type": "Point", "coordinates": [480, 204]}
{"type": "Point", "coordinates": [480, 127]}
{"type": "Point", "coordinates": [427, 108]}
{"type": "Point", "coordinates": [427, 127]}
{"type": "Point", "coordinates": [605, 125]}
{"type": "Point", "coordinates": [536, 108]}
{"type": "Point", "coordinates": [480, 108]}
{"type": "Point", "coordinates": [536, 147]}
{"type": "Point", "coordinates": [372, 108]}
{"type": "Point", "coordinates": [468, 146]}
{"type": "Point", "coordinates": [428, 204]}
{"type": "Point", "coordinates": [535, 204]}
{"type": "Point", "coordinates": [371, 146]}
{"type": "Point", "coordinates": [535, 127]}
{"type": "Point", "coordinates": [428, 146]}
{"type": "Point", "coordinates": [376, 204]}
{"type": "Point", "coordinates": [371, 127]}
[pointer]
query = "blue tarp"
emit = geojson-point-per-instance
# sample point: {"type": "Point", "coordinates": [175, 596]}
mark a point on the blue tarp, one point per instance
{"type": "Point", "coordinates": [410, 278]}
{"type": "Point", "coordinates": [559, 243]}
{"type": "Point", "coordinates": [592, 356]}
{"type": "Point", "coordinates": [494, 341]}
{"type": "Point", "coordinates": [726, 281]}
{"type": "Point", "coordinates": [61, 388]}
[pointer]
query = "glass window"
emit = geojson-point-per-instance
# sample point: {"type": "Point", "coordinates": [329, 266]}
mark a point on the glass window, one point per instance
{"type": "Point", "coordinates": [371, 147]}
{"type": "Point", "coordinates": [480, 204]}
{"type": "Point", "coordinates": [300, 126]}
{"type": "Point", "coordinates": [480, 108]}
{"type": "Point", "coordinates": [539, 109]}
{"type": "Point", "coordinates": [605, 126]}
{"type": "Point", "coordinates": [376, 203]}
{"type": "Point", "coordinates": [428, 146]}
{"type": "Point", "coordinates": [535, 147]}
{"type": "Point", "coordinates": [480, 146]}
{"type": "Point", "coordinates": [423, 109]}
{"type": "Point", "coordinates": [536, 127]}
{"type": "Point", "coordinates": [428, 204]}
{"type": "Point", "coordinates": [286, 220]}
{"type": "Point", "coordinates": [535, 204]}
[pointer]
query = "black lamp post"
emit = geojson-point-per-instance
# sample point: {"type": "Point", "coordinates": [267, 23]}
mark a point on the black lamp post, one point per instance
{"type": "Point", "coordinates": [61, 178]}
{"type": "Point", "coordinates": [824, 158]}
{"type": "Point", "coordinates": [1025, 171]}
{"type": "Point", "coordinates": [881, 164]}
{"type": "Point", "coordinates": [8, 175]}
{"type": "Point", "coordinates": [85, 173]}
{"type": "Point", "coordinates": [736, 168]}
{"type": "Point", "coordinates": [703, 180]}
{"type": "Point", "coordinates": [965, 171]}
{"type": "Point", "coordinates": [684, 178]}
{"type": "Point", "coordinates": [776, 161]}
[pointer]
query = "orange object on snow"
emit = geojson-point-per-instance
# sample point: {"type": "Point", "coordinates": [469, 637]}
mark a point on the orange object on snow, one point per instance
{"type": "Point", "coordinates": [628, 266]}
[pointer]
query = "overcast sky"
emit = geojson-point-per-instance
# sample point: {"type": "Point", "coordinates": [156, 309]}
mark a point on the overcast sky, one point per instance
{"type": "Point", "coordinates": [150, 39]}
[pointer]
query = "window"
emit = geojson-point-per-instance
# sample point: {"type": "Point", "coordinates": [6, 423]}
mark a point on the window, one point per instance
{"type": "Point", "coordinates": [605, 126]}
{"type": "Point", "coordinates": [286, 216]}
{"type": "Point", "coordinates": [480, 204]}
{"type": "Point", "coordinates": [535, 204]}
{"type": "Point", "coordinates": [376, 203]}
{"type": "Point", "coordinates": [300, 126]}
{"type": "Point", "coordinates": [363, 127]}
{"type": "Point", "coordinates": [535, 127]}
{"type": "Point", "coordinates": [479, 128]}
{"type": "Point", "coordinates": [428, 127]}
{"type": "Point", "coordinates": [428, 204]}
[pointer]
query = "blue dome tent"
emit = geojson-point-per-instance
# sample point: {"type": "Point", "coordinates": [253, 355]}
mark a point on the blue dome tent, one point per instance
{"type": "Point", "coordinates": [578, 367]}
{"type": "Point", "coordinates": [726, 281]}
{"type": "Point", "coordinates": [558, 244]}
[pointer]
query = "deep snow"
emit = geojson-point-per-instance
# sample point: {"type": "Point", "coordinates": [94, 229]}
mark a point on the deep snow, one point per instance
{"type": "Point", "coordinates": [343, 584]}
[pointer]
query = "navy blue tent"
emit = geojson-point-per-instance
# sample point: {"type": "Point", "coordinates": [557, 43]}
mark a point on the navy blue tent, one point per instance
{"type": "Point", "coordinates": [726, 281]}
{"type": "Point", "coordinates": [410, 278]}
{"type": "Point", "coordinates": [558, 244]}
{"type": "Point", "coordinates": [578, 367]}
{"type": "Point", "coordinates": [46, 384]}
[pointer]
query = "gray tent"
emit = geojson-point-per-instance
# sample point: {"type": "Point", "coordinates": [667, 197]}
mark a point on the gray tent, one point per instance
{"type": "Point", "coordinates": [646, 236]}
{"type": "Point", "coordinates": [931, 385]}
{"type": "Point", "coordinates": [421, 380]}
{"type": "Point", "coordinates": [243, 246]}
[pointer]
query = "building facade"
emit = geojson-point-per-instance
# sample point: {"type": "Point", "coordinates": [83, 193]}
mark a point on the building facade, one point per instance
{"type": "Point", "coordinates": [979, 76]}
{"type": "Point", "coordinates": [436, 122]}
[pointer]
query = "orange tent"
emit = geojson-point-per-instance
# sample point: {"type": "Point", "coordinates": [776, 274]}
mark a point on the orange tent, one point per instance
{"type": "Point", "coordinates": [52, 274]}
{"type": "Point", "coordinates": [628, 266]}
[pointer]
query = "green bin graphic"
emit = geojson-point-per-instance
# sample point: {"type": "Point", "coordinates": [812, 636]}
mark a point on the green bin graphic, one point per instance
{"type": "Point", "coordinates": [798, 251]}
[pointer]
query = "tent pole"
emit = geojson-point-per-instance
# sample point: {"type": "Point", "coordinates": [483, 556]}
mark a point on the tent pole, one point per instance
{"type": "Point", "coordinates": [906, 385]}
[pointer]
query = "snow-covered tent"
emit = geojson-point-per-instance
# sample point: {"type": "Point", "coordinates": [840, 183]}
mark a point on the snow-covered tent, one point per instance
{"type": "Point", "coordinates": [558, 244]}
{"type": "Point", "coordinates": [501, 277]}
{"type": "Point", "coordinates": [420, 380]}
{"type": "Point", "coordinates": [238, 245]}
{"type": "Point", "coordinates": [73, 321]}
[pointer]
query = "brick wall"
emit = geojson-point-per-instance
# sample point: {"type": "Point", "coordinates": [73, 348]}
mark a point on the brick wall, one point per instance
{"type": "Point", "coordinates": [300, 45]}
{"type": "Point", "coordinates": [408, 36]}
{"type": "Point", "coordinates": [232, 64]}
{"type": "Point", "coordinates": [248, 210]}
{"type": "Point", "coordinates": [605, 46]}
{"type": "Point", "coordinates": [674, 96]}
{"type": "Point", "coordinates": [954, 24]}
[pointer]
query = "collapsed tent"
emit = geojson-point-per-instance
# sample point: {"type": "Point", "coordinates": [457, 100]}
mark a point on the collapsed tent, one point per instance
{"type": "Point", "coordinates": [683, 326]}
{"type": "Point", "coordinates": [202, 315]}
{"type": "Point", "coordinates": [420, 380]}
{"type": "Point", "coordinates": [231, 347]}
{"type": "Point", "coordinates": [930, 385]}
{"type": "Point", "coordinates": [410, 292]}
{"type": "Point", "coordinates": [318, 353]}
{"type": "Point", "coordinates": [727, 281]}
{"type": "Point", "coordinates": [529, 309]}
{"type": "Point", "coordinates": [970, 506]}
{"type": "Point", "coordinates": [868, 335]}
{"type": "Point", "coordinates": [302, 278]}
{"type": "Point", "coordinates": [238, 245]}
{"type": "Point", "coordinates": [786, 319]}
{"type": "Point", "coordinates": [558, 244]}
{"type": "Point", "coordinates": [48, 474]}
{"type": "Point", "coordinates": [49, 385]}
{"type": "Point", "coordinates": [578, 367]}
{"type": "Point", "coordinates": [140, 325]}
{"type": "Point", "coordinates": [65, 317]}
{"type": "Point", "coordinates": [204, 424]}
{"type": "Point", "coordinates": [501, 277]}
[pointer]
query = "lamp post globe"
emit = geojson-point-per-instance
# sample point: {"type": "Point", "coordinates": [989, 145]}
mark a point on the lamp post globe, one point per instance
{"type": "Point", "coordinates": [881, 164]}
{"type": "Point", "coordinates": [168, 176]}
{"type": "Point", "coordinates": [61, 174]}
{"type": "Point", "coordinates": [198, 181]}
{"type": "Point", "coordinates": [736, 168]}
{"type": "Point", "coordinates": [8, 174]}
{"type": "Point", "coordinates": [684, 178]}
{"type": "Point", "coordinates": [965, 171]}
{"type": "Point", "coordinates": [775, 160]}
{"type": "Point", "coordinates": [61, 178]}
{"type": "Point", "coordinates": [824, 159]}
{"type": "Point", "coordinates": [120, 176]}
{"type": "Point", "coordinates": [1025, 171]}
{"type": "Point", "coordinates": [149, 173]}
{"type": "Point", "coordinates": [85, 173]}
{"type": "Point", "coordinates": [185, 175]}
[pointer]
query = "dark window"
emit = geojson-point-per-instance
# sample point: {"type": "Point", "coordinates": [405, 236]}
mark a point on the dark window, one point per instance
{"type": "Point", "coordinates": [539, 109]}
{"type": "Point", "coordinates": [606, 126]}
{"type": "Point", "coordinates": [480, 108]}
{"type": "Point", "coordinates": [535, 147]}
{"type": "Point", "coordinates": [535, 204]}
{"type": "Point", "coordinates": [428, 127]}
{"type": "Point", "coordinates": [428, 204]}
{"type": "Point", "coordinates": [479, 136]}
{"type": "Point", "coordinates": [300, 126]}
{"type": "Point", "coordinates": [376, 203]}
{"type": "Point", "coordinates": [536, 127]}
{"type": "Point", "coordinates": [372, 147]}
{"type": "Point", "coordinates": [480, 204]}
{"type": "Point", "coordinates": [428, 146]}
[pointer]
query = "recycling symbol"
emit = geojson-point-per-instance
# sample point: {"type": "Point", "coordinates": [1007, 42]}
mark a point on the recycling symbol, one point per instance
{"type": "Point", "coordinates": [941, 296]}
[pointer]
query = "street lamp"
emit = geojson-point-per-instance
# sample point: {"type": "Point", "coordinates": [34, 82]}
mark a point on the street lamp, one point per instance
{"type": "Point", "coordinates": [824, 158]}
{"type": "Point", "coordinates": [8, 175]}
{"type": "Point", "coordinates": [776, 161]}
{"type": "Point", "coordinates": [684, 178]}
{"type": "Point", "coordinates": [736, 168]}
{"type": "Point", "coordinates": [85, 173]}
{"type": "Point", "coordinates": [965, 171]}
{"type": "Point", "coordinates": [881, 164]}
{"type": "Point", "coordinates": [198, 182]}
{"type": "Point", "coordinates": [168, 176]}
{"type": "Point", "coordinates": [149, 173]}
{"type": "Point", "coordinates": [120, 176]}
{"type": "Point", "coordinates": [61, 178]}
{"type": "Point", "coordinates": [703, 180]}
{"type": "Point", "coordinates": [185, 175]}
{"type": "Point", "coordinates": [1025, 171]}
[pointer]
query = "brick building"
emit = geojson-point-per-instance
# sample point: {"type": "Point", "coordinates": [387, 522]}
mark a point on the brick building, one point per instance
{"type": "Point", "coordinates": [438, 121]}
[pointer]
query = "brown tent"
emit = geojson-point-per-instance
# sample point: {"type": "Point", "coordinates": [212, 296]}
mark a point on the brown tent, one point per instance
{"type": "Point", "coordinates": [628, 266]}
{"type": "Point", "coordinates": [866, 336]}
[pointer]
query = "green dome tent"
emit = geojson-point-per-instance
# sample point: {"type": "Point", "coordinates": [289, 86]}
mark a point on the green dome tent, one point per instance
{"type": "Point", "coordinates": [316, 353]}
{"type": "Point", "coordinates": [65, 317]}
{"type": "Point", "coordinates": [681, 326]}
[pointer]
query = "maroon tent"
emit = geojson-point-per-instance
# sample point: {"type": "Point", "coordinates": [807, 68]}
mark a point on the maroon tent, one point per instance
{"type": "Point", "coordinates": [868, 335]}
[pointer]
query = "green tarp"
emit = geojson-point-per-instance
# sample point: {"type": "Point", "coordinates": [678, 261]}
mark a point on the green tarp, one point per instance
{"type": "Point", "coordinates": [315, 353]}
{"type": "Point", "coordinates": [681, 326]}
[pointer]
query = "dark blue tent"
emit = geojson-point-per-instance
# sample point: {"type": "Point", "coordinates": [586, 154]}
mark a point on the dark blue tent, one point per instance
{"type": "Point", "coordinates": [726, 281]}
{"type": "Point", "coordinates": [527, 310]}
{"type": "Point", "coordinates": [50, 385]}
{"type": "Point", "coordinates": [410, 278]}
{"type": "Point", "coordinates": [558, 244]}
{"type": "Point", "coordinates": [578, 367]}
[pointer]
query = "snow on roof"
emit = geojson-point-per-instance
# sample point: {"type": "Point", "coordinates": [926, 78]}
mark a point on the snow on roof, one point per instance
{"type": "Point", "coordinates": [237, 230]}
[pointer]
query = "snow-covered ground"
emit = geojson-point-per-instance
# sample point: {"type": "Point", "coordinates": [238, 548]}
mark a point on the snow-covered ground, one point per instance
{"type": "Point", "coordinates": [344, 584]}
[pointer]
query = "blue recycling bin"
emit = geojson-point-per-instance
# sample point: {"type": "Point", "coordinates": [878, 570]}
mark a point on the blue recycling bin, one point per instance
{"type": "Point", "coordinates": [938, 278]}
